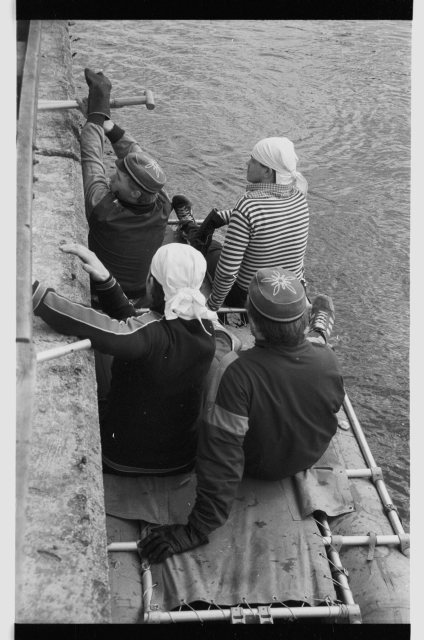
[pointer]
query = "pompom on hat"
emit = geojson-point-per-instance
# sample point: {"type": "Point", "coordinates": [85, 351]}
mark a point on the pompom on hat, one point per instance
{"type": "Point", "coordinates": [144, 170]}
{"type": "Point", "coordinates": [277, 294]}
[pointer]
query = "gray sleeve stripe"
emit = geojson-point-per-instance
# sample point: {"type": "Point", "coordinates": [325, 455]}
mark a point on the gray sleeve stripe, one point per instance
{"type": "Point", "coordinates": [97, 319]}
{"type": "Point", "coordinates": [227, 421]}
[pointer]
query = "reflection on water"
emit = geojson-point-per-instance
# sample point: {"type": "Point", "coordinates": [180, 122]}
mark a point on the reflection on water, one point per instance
{"type": "Point", "coordinates": [341, 92]}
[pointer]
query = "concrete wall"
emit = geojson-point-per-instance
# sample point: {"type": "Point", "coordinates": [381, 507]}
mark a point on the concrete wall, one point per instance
{"type": "Point", "coordinates": [65, 552]}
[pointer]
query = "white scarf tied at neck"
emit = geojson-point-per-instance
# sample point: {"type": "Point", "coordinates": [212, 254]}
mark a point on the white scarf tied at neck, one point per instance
{"type": "Point", "coordinates": [180, 270]}
{"type": "Point", "coordinates": [279, 154]}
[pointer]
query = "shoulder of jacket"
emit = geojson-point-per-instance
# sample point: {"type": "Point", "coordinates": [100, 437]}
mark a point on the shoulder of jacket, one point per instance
{"type": "Point", "coordinates": [149, 316]}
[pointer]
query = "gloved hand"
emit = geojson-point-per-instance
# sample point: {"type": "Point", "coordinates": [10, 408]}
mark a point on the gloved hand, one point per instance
{"type": "Point", "coordinates": [99, 92]}
{"type": "Point", "coordinates": [203, 237]}
{"type": "Point", "coordinates": [166, 540]}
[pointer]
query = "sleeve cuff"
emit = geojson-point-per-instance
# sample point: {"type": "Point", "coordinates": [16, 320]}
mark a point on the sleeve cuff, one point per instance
{"type": "Point", "coordinates": [212, 305]}
{"type": "Point", "coordinates": [38, 292]}
{"type": "Point", "coordinates": [107, 284]}
{"type": "Point", "coordinates": [115, 134]}
{"type": "Point", "coordinates": [96, 118]}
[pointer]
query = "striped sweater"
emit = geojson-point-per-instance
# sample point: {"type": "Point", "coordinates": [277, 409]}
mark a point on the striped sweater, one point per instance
{"type": "Point", "coordinates": [268, 227]}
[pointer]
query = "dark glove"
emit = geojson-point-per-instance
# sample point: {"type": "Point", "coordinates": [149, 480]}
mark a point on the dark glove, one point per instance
{"type": "Point", "coordinates": [203, 237]}
{"type": "Point", "coordinates": [99, 92]}
{"type": "Point", "coordinates": [166, 540]}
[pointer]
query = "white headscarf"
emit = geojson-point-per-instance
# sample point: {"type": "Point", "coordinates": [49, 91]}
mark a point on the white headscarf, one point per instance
{"type": "Point", "coordinates": [180, 270]}
{"type": "Point", "coordinates": [279, 154]}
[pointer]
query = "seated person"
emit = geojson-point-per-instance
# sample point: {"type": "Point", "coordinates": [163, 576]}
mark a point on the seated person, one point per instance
{"type": "Point", "coordinates": [127, 216]}
{"type": "Point", "coordinates": [161, 358]}
{"type": "Point", "coordinates": [270, 411]}
{"type": "Point", "coordinates": [268, 226]}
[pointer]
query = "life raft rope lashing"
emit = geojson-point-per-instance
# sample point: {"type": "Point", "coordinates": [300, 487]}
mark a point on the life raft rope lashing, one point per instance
{"type": "Point", "coordinates": [336, 566]}
{"type": "Point", "coordinates": [262, 614]}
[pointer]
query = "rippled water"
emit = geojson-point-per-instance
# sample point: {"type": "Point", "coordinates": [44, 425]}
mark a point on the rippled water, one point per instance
{"type": "Point", "coordinates": [341, 92]}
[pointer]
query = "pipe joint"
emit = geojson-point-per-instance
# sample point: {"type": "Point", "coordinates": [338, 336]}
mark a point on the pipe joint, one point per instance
{"type": "Point", "coordinates": [354, 615]}
{"type": "Point", "coordinates": [376, 474]}
{"type": "Point", "coordinates": [405, 543]}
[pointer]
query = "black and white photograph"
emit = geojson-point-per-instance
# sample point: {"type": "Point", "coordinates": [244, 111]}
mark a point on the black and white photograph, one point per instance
{"type": "Point", "coordinates": [213, 353]}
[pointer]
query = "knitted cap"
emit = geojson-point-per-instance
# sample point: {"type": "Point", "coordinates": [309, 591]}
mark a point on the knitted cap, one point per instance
{"type": "Point", "coordinates": [277, 294]}
{"type": "Point", "coordinates": [145, 171]}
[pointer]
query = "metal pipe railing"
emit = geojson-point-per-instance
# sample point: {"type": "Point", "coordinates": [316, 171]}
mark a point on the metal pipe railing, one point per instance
{"type": "Point", "coordinates": [335, 562]}
{"type": "Point", "coordinates": [330, 612]}
{"type": "Point", "coordinates": [63, 350]}
{"type": "Point", "coordinates": [26, 370]}
{"type": "Point", "coordinates": [379, 483]}
{"type": "Point", "coordinates": [345, 541]}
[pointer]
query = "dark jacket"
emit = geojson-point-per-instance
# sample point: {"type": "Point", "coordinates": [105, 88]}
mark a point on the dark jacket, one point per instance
{"type": "Point", "coordinates": [158, 376]}
{"type": "Point", "coordinates": [123, 236]}
{"type": "Point", "coordinates": [270, 413]}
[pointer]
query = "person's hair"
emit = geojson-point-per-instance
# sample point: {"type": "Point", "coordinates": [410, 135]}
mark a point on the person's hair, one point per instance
{"type": "Point", "coordinates": [274, 174]}
{"type": "Point", "coordinates": [287, 334]}
{"type": "Point", "coordinates": [158, 297]}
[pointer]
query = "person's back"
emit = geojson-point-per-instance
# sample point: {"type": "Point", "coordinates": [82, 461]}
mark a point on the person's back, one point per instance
{"type": "Point", "coordinates": [267, 227]}
{"type": "Point", "coordinates": [293, 395]}
{"type": "Point", "coordinates": [127, 216]}
{"type": "Point", "coordinates": [154, 401]}
{"type": "Point", "coordinates": [161, 358]}
{"type": "Point", "coordinates": [125, 238]}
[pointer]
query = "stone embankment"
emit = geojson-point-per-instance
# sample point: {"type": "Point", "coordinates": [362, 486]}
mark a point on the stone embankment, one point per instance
{"type": "Point", "coordinates": [65, 561]}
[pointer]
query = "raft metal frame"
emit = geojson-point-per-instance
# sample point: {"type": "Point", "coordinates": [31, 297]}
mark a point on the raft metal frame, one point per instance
{"type": "Point", "coordinates": [377, 475]}
{"type": "Point", "coordinates": [339, 576]}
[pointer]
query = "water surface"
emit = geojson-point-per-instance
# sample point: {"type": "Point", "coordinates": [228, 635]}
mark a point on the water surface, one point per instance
{"type": "Point", "coordinates": [340, 90]}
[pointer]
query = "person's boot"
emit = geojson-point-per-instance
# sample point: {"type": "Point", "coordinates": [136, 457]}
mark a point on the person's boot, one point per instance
{"type": "Point", "coordinates": [322, 317]}
{"type": "Point", "coordinates": [187, 227]}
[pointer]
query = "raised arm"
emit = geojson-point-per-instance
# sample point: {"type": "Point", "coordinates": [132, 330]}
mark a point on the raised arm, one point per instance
{"type": "Point", "coordinates": [112, 299]}
{"type": "Point", "coordinates": [130, 339]}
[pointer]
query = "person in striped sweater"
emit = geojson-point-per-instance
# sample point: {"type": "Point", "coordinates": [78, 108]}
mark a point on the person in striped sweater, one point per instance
{"type": "Point", "coordinates": [267, 227]}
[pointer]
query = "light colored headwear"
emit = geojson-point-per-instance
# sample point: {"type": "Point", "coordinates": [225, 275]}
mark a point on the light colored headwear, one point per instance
{"type": "Point", "coordinates": [279, 154]}
{"type": "Point", "coordinates": [180, 270]}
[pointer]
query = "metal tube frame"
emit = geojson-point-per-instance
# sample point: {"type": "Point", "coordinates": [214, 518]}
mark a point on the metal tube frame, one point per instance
{"type": "Point", "coordinates": [58, 352]}
{"type": "Point", "coordinates": [345, 541]}
{"type": "Point", "coordinates": [379, 483]}
{"type": "Point", "coordinates": [337, 568]}
{"type": "Point", "coordinates": [115, 103]}
{"type": "Point", "coordinates": [300, 613]}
